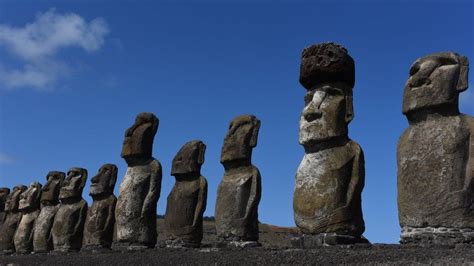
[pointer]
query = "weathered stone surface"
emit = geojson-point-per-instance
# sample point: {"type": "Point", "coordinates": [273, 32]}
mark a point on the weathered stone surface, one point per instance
{"type": "Point", "coordinates": [13, 217]}
{"type": "Point", "coordinates": [3, 198]}
{"type": "Point", "coordinates": [30, 208]}
{"type": "Point", "coordinates": [330, 178]}
{"type": "Point", "coordinates": [135, 213]}
{"type": "Point", "coordinates": [68, 225]}
{"type": "Point", "coordinates": [42, 238]}
{"type": "Point", "coordinates": [435, 155]}
{"type": "Point", "coordinates": [99, 227]}
{"type": "Point", "coordinates": [239, 192]}
{"type": "Point", "coordinates": [187, 200]}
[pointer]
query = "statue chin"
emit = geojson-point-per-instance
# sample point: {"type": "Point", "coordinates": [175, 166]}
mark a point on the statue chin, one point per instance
{"type": "Point", "coordinates": [309, 138]}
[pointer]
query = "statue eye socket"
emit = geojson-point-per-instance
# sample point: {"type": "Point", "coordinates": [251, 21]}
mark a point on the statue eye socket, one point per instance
{"type": "Point", "coordinates": [415, 68]}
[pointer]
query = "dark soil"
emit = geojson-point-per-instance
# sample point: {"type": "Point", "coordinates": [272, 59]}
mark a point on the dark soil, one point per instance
{"type": "Point", "coordinates": [276, 249]}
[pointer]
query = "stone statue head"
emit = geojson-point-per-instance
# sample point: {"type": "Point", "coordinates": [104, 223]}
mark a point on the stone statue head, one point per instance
{"type": "Point", "coordinates": [13, 199]}
{"type": "Point", "coordinates": [240, 139]}
{"type": "Point", "coordinates": [103, 183]}
{"type": "Point", "coordinates": [74, 184]}
{"type": "Point", "coordinates": [30, 198]}
{"type": "Point", "coordinates": [435, 82]}
{"type": "Point", "coordinates": [327, 72]}
{"type": "Point", "coordinates": [4, 191]}
{"type": "Point", "coordinates": [138, 143]}
{"type": "Point", "coordinates": [189, 158]}
{"type": "Point", "coordinates": [50, 191]}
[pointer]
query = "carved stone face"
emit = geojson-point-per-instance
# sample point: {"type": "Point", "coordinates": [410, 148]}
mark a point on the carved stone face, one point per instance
{"type": "Point", "coordinates": [189, 158]}
{"type": "Point", "coordinates": [327, 112]}
{"type": "Point", "coordinates": [74, 184]}
{"type": "Point", "coordinates": [50, 191]}
{"type": "Point", "coordinates": [138, 143]}
{"type": "Point", "coordinates": [240, 139]}
{"type": "Point", "coordinates": [11, 205]}
{"type": "Point", "coordinates": [3, 197]}
{"type": "Point", "coordinates": [30, 198]}
{"type": "Point", "coordinates": [435, 81]}
{"type": "Point", "coordinates": [104, 182]}
{"type": "Point", "coordinates": [326, 63]}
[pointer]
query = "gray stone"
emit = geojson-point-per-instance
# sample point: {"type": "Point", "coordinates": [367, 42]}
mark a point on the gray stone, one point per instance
{"type": "Point", "coordinates": [239, 192]}
{"type": "Point", "coordinates": [13, 217]}
{"type": "Point", "coordinates": [42, 237]}
{"type": "Point", "coordinates": [427, 236]}
{"type": "Point", "coordinates": [330, 178]}
{"type": "Point", "coordinates": [135, 213]}
{"type": "Point", "coordinates": [100, 221]}
{"type": "Point", "coordinates": [435, 156]}
{"type": "Point", "coordinates": [326, 239]}
{"type": "Point", "coordinates": [30, 208]}
{"type": "Point", "coordinates": [68, 225]}
{"type": "Point", "coordinates": [3, 198]}
{"type": "Point", "coordinates": [187, 200]}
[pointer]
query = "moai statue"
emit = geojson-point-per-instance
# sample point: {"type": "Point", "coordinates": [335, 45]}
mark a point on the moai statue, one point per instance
{"type": "Point", "coordinates": [99, 227]}
{"type": "Point", "coordinates": [330, 178]}
{"type": "Point", "coordinates": [240, 190]}
{"type": "Point", "coordinates": [13, 217]}
{"type": "Point", "coordinates": [3, 198]}
{"type": "Point", "coordinates": [187, 200]}
{"type": "Point", "coordinates": [68, 225]}
{"type": "Point", "coordinates": [435, 154]}
{"type": "Point", "coordinates": [135, 213]}
{"type": "Point", "coordinates": [42, 237]}
{"type": "Point", "coordinates": [30, 207]}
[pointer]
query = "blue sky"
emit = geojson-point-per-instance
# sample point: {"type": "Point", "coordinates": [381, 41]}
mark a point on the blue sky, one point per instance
{"type": "Point", "coordinates": [67, 96]}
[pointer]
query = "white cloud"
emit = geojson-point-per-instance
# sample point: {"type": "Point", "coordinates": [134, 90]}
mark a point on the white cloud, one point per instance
{"type": "Point", "coordinates": [6, 159]}
{"type": "Point", "coordinates": [37, 44]}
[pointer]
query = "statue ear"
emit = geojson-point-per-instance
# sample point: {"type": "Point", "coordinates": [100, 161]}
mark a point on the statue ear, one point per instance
{"type": "Point", "coordinates": [463, 74]}
{"type": "Point", "coordinates": [113, 178]}
{"type": "Point", "coordinates": [202, 151]}
{"type": "Point", "coordinates": [255, 130]}
{"type": "Point", "coordinates": [38, 194]}
{"type": "Point", "coordinates": [84, 178]}
{"type": "Point", "coordinates": [349, 109]}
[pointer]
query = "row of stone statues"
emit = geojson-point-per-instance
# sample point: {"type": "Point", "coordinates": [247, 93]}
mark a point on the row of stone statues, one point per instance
{"type": "Point", "coordinates": [435, 172]}
{"type": "Point", "coordinates": [55, 217]}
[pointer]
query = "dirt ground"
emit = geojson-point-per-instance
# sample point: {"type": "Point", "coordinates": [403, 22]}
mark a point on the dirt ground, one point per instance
{"type": "Point", "coordinates": [276, 249]}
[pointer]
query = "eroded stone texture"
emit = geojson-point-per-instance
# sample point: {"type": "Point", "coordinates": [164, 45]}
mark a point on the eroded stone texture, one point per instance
{"type": "Point", "coordinates": [3, 198]}
{"type": "Point", "coordinates": [239, 192]}
{"type": "Point", "coordinates": [13, 217]}
{"type": "Point", "coordinates": [30, 208]}
{"type": "Point", "coordinates": [99, 227]}
{"type": "Point", "coordinates": [187, 200]}
{"type": "Point", "coordinates": [42, 238]}
{"type": "Point", "coordinates": [135, 213]}
{"type": "Point", "coordinates": [330, 178]}
{"type": "Point", "coordinates": [68, 225]}
{"type": "Point", "coordinates": [435, 153]}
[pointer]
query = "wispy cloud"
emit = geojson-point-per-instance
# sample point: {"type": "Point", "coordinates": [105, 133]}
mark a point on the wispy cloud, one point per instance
{"type": "Point", "coordinates": [37, 44]}
{"type": "Point", "coordinates": [6, 159]}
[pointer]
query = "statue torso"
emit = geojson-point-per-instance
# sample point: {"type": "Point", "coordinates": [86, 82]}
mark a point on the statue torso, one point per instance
{"type": "Point", "coordinates": [322, 181]}
{"type": "Point", "coordinates": [432, 162]}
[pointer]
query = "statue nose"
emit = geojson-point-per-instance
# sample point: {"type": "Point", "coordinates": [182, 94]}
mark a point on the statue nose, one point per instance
{"type": "Point", "coordinates": [312, 114]}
